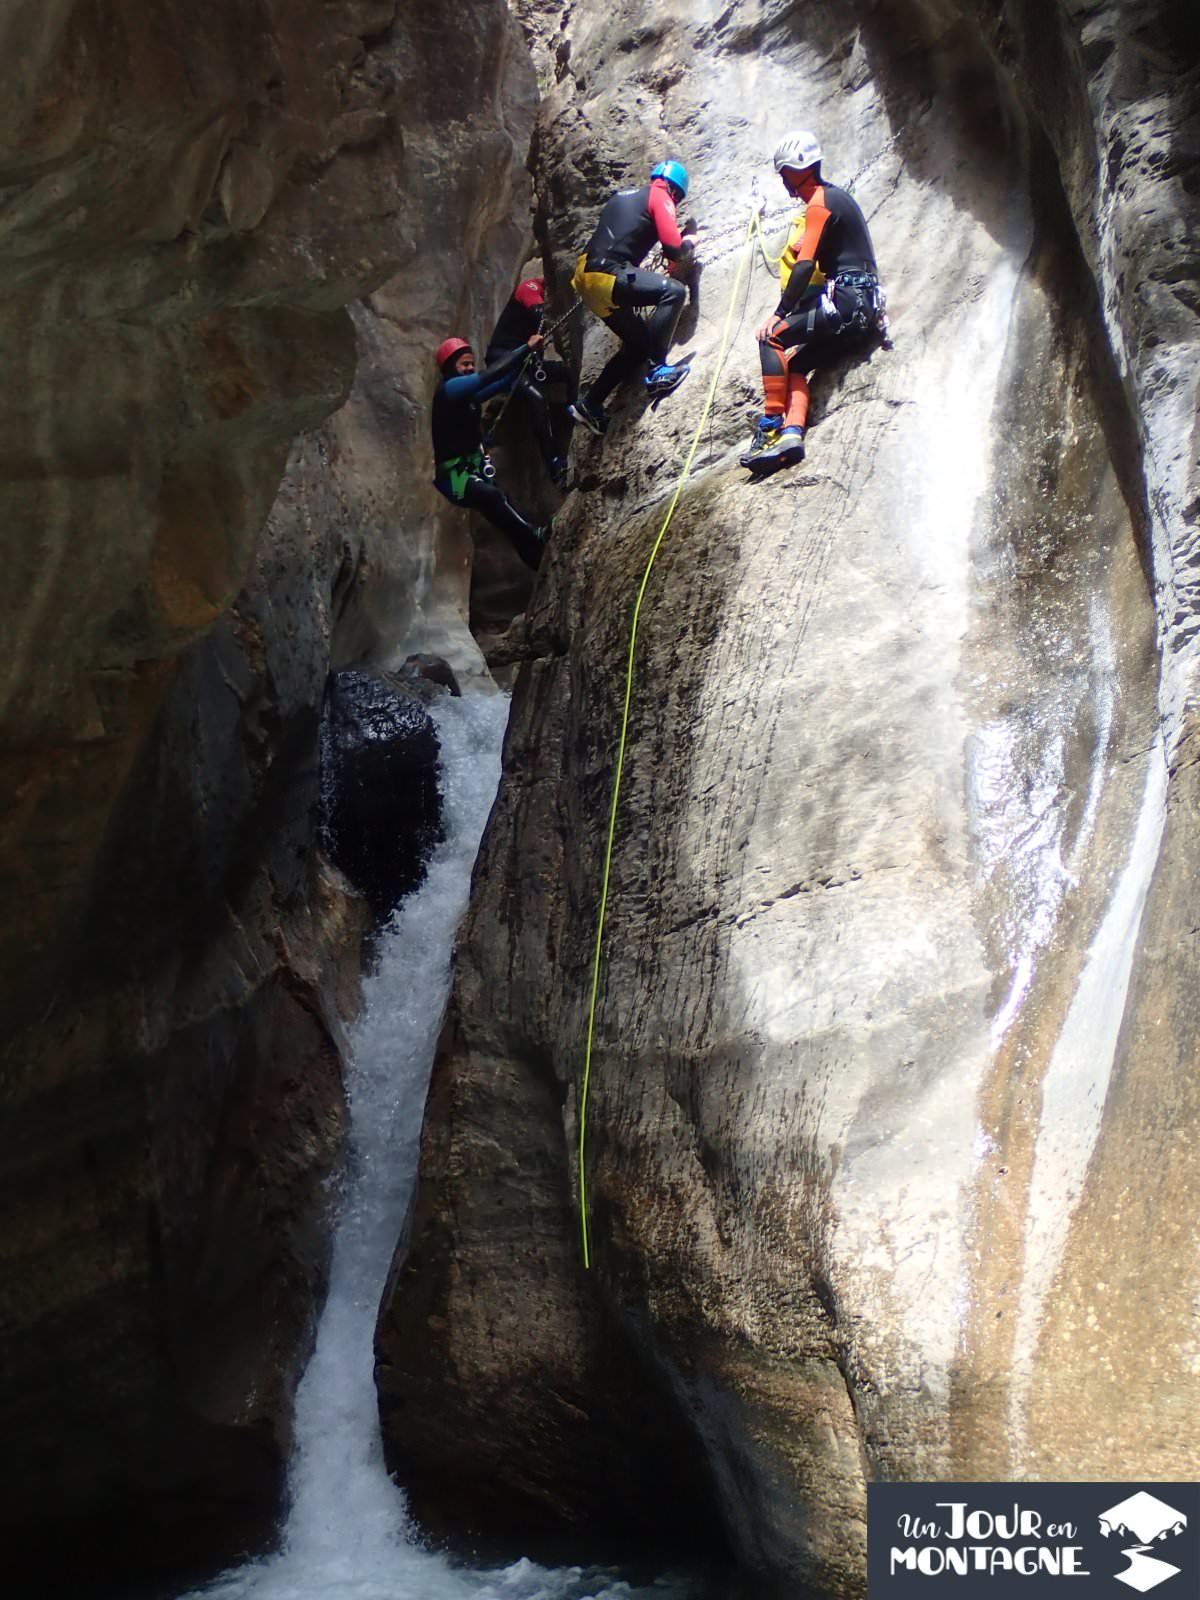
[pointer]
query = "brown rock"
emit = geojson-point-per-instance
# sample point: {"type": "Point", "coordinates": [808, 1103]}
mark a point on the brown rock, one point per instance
{"type": "Point", "coordinates": [886, 783]}
{"type": "Point", "coordinates": [192, 197]}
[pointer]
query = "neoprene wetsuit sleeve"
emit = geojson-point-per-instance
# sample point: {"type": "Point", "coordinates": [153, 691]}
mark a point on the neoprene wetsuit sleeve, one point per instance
{"type": "Point", "coordinates": [662, 209]}
{"type": "Point", "coordinates": [482, 385]}
{"type": "Point", "coordinates": [815, 217]}
{"type": "Point", "coordinates": [501, 374]}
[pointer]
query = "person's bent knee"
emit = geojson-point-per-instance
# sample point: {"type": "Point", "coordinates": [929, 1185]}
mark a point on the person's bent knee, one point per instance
{"type": "Point", "coordinates": [773, 358]}
{"type": "Point", "coordinates": [675, 293]}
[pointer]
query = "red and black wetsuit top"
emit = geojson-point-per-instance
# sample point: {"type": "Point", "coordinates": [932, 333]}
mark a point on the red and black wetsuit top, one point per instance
{"type": "Point", "coordinates": [520, 317]}
{"type": "Point", "coordinates": [836, 238]}
{"type": "Point", "coordinates": [632, 222]}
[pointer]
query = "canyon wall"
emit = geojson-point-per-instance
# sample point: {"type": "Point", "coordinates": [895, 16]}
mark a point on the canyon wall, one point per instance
{"type": "Point", "coordinates": [891, 1136]}
{"type": "Point", "coordinates": [192, 198]}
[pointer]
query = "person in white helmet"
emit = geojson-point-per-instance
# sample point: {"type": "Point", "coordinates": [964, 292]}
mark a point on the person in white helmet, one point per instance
{"type": "Point", "coordinates": [829, 296]}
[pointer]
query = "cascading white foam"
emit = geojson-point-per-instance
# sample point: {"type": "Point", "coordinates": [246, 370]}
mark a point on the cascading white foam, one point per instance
{"type": "Point", "coordinates": [348, 1535]}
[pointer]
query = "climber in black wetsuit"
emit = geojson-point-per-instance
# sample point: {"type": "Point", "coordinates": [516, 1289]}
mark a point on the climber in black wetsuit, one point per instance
{"type": "Point", "coordinates": [463, 473]}
{"type": "Point", "coordinates": [521, 317]}
{"type": "Point", "coordinates": [610, 282]}
{"type": "Point", "coordinates": [829, 303]}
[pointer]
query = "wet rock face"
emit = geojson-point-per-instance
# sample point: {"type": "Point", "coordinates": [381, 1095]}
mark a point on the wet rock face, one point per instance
{"type": "Point", "coordinates": [406, 563]}
{"type": "Point", "coordinates": [381, 812]}
{"type": "Point", "coordinates": [192, 198]}
{"type": "Point", "coordinates": [858, 1117]}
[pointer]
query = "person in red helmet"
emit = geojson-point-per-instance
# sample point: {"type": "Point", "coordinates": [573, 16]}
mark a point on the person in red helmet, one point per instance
{"type": "Point", "coordinates": [521, 317]}
{"type": "Point", "coordinates": [463, 473]}
{"type": "Point", "coordinates": [830, 301]}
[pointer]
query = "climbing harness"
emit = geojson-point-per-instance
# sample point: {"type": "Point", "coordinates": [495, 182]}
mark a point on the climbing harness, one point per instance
{"type": "Point", "coordinates": [453, 473]}
{"type": "Point", "coordinates": [726, 334]}
{"type": "Point", "coordinates": [873, 297]}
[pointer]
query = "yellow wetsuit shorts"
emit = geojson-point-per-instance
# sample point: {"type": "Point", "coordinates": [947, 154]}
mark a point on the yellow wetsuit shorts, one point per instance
{"type": "Point", "coordinates": [594, 288]}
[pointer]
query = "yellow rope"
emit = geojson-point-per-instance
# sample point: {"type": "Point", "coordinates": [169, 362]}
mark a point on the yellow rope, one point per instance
{"type": "Point", "coordinates": [612, 814]}
{"type": "Point", "coordinates": [771, 261]}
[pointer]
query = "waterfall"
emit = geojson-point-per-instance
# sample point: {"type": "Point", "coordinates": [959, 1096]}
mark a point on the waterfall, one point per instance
{"type": "Point", "coordinates": [348, 1535]}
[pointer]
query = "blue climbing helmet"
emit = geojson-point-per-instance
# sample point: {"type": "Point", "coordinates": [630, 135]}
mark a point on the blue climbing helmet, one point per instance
{"type": "Point", "coordinates": [675, 173]}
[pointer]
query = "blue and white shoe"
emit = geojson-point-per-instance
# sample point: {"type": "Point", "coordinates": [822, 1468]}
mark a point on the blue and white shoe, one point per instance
{"type": "Point", "coordinates": [661, 380]}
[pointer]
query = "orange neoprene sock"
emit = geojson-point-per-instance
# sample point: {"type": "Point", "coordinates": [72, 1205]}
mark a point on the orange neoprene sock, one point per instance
{"type": "Point", "coordinates": [795, 413]}
{"type": "Point", "coordinates": [775, 393]}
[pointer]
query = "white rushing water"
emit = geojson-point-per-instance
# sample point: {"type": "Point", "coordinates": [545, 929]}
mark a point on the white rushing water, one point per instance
{"type": "Point", "coordinates": [348, 1535]}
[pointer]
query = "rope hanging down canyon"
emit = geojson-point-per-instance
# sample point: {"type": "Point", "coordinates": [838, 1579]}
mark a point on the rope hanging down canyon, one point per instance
{"type": "Point", "coordinates": [616, 792]}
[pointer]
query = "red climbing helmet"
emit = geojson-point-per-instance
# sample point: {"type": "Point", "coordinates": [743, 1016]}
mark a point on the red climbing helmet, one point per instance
{"type": "Point", "coordinates": [450, 347]}
{"type": "Point", "coordinates": [531, 292]}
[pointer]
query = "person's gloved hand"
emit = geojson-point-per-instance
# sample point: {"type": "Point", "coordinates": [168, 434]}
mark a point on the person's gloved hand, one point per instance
{"type": "Point", "coordinates": [687, 261]}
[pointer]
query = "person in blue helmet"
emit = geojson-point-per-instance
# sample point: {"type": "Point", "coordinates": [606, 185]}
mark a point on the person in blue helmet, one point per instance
{"type": "Point", "coordinates": [610, 281]}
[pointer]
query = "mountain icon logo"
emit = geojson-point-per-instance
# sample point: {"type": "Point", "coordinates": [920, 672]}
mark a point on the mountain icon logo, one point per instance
{"type": "Point", "coordinates": [1148, 1520]}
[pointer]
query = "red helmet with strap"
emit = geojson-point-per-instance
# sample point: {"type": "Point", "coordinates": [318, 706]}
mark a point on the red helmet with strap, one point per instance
{"type": "Point", "coordinates": [450, 347]}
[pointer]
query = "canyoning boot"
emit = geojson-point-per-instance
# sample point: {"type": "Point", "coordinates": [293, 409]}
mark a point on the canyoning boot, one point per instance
{"type": "Point", "coordinates": [785, 451]}
{"type": "Point", "coordinates": [593, 417]}
{"type": "Point", "coordinates": [766, 431]}
{"type": "Point", "coordinates": [661, 380]}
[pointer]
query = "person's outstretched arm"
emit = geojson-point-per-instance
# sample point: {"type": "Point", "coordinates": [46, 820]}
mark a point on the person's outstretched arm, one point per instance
{"type": "Point", "coordinates": [662, 209]}
{"type": "Point", "coordinates": [483, 385]}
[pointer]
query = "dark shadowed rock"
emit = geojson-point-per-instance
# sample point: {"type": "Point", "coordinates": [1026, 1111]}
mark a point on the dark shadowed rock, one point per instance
{"type": "Point", "coordinates": [381, 809]}
{"type": "Point", "coordinates": [192, 197]}
{"type": "Point", "coordinates": [426, 669]}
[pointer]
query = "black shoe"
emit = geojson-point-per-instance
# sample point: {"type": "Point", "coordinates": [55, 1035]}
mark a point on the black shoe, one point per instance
{"type": "Point", "coordinates": [559, 471]}
{"type": "Point", "coordinates": [591, 416]}
{"type": "Point", "coordinates": [787, 450]}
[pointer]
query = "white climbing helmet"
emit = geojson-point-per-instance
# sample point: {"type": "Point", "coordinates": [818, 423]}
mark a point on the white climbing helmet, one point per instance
{"type": "Point", "coordinates": [797, 151]}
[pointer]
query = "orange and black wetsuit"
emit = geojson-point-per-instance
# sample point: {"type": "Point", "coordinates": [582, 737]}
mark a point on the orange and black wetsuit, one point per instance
{"type": "Point", "coordinates": [828, 284]}
{"type": "Point", "coordinates": [609, 280]}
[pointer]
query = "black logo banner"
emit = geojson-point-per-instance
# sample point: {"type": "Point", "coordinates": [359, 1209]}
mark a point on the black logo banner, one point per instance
{"type": "Point", "coordinates": [1042, 1541]}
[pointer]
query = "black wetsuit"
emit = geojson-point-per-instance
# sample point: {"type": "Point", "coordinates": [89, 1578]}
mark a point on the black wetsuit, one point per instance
{"type": "Point", "coordinates": [458, 451]}
{"type": "Point", "coordinates": [629, 225]}
{"type": "Point", "coordinates": [517, 321]}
